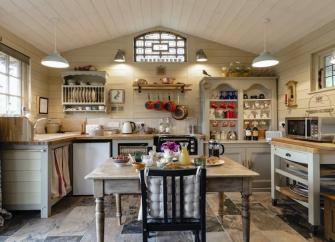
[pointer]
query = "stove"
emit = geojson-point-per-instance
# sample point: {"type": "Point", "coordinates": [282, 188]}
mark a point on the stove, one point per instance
{"type": "Point", "coordinates": [195, 145]}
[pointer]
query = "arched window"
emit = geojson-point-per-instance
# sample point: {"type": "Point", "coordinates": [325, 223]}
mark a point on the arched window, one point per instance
{"type": "Point", "coordinates": [159, 46]}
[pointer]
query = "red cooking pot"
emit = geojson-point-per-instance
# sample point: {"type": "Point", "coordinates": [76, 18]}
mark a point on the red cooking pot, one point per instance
{"type": "Point", "coordinates": [149, 104]}
{"type": "Point", "coordinates": [159, 105]}
{"type": "Point", "coordinates": [170, 106]}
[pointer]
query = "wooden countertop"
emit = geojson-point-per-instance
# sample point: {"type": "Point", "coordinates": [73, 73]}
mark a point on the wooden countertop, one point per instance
{"type": "Point", "coordinates": [51, 139]}
{"type": "Point", "coordinates": [309, 146]}
{"type": "Point", "coordinates": [107, 170]}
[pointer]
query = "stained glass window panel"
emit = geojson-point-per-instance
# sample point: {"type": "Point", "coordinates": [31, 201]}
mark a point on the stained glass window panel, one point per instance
{"type": "Point", "coordinates": [159, 46]}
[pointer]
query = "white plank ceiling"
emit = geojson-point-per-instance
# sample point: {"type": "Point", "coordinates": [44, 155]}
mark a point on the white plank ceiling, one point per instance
{"type": "Point", "coordinates": [238, 23]}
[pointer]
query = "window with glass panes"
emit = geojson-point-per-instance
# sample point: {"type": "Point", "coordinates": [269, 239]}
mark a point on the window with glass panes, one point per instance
{"type": "Point", "coordinates": [10, 85]}
{"type": "Point", "coordinates": [329, 71]}
{"type": "Point", "coordinates": [159, 46]}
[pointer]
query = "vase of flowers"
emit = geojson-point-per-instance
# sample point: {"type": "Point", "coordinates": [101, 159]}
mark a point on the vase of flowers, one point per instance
{"type": "Point", "coordinates": [169, 148]}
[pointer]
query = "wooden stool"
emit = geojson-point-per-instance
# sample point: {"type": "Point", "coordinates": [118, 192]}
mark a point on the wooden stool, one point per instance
{"type": "Point", "coordinates": [329, 215]}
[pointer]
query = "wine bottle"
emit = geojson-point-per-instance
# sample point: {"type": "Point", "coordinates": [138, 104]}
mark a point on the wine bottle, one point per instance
{"type": "Point", "coordinates": [255, 133]}
{"type": "Point", "coordinates": [248, 133]}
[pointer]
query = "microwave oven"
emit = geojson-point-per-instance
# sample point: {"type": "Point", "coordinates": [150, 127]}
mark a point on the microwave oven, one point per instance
{"type": "Point", "coordinates": [320, 129]}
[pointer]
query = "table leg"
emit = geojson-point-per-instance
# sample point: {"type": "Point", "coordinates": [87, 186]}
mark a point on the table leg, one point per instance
{"type": "Point", "coordinates": [245, 217]}
{"type": "Point", "coordinates": [221, 204]}
{"type": "Point", "coordinates": [118, 207]}
{"type": "Point", "coordinates": [100, 218]}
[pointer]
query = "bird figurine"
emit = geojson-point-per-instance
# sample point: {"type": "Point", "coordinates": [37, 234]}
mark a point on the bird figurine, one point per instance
{"type": "Point", "coordinates": [205, 73]}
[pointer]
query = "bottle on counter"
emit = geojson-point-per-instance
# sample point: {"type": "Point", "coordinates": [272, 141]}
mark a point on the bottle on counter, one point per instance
{"type": "Point", "coordinates": [161, 128]}
{"type": "Point", "coordinates": [248, 133]}
{"type": "Point", "coordinates": [255, 133]}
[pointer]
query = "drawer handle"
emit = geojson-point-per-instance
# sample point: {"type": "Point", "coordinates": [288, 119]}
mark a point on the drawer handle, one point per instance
{"type": "Point", "coordinates": [288, 154]}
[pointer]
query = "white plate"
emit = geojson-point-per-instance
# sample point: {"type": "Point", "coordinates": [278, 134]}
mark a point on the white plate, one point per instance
{"type": "Point", "coordinates": [219, 163]}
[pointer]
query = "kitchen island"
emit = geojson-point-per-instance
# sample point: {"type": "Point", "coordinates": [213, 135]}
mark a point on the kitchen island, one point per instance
{"type": "Point", "coordinates": [308, 157]}
{"type": "Point", "coordinates": [229, 177]}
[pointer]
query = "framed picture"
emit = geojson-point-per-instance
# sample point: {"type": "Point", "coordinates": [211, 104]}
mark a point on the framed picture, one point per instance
{"type": "Point", "coordinates": [43, 105]}
{"type": "Point", "coordinates": [116, 96]}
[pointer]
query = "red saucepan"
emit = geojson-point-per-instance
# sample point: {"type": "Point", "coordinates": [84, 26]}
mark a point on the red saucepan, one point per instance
{"type": "Point", "coordinates": [159, 105]}
{"type": "Point", "coordinates": [149, 104]}
{"type": "Point", "coordinates": [170, 106]}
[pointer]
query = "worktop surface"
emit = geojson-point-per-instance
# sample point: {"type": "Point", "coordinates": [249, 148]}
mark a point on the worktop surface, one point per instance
{"type": "Point", "coordinates": [309, 146]}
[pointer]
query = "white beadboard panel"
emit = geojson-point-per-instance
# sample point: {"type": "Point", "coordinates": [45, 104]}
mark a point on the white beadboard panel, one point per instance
{"type": "Point", "coordinates": [21, 165]}
{"type": "Point", "coordinates": [122, 76]}
{"type": "Point", "coordinates": [21, 187]}
{"type": "Point", "coordinates": [295, 64]}
{"type": "Point", "coordinates": [230, 22]}
{"type": "Point", "coordinates": [21, 176]}
{"type": "Point", "coordinates": [27, 198]}
{"type": "Point", "coordinates": [21, 155]}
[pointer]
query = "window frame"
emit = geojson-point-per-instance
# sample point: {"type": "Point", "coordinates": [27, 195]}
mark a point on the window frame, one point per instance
{"type": "Point", "coordinates": [7, 94]}
{"type": "Point", "coordinates": [160, 32]}
{"type": "Point", "coordinates": [318, 61]}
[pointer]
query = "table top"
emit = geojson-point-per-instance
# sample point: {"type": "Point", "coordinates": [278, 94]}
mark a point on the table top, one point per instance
{"type": "Point", "coordinates": [108, 171]}
{"type": "Point", "coordinates": [309, 146]}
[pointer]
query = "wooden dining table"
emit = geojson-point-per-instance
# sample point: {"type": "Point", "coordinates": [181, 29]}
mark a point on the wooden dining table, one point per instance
{"type": "Point", "coordinates": [229, 177]}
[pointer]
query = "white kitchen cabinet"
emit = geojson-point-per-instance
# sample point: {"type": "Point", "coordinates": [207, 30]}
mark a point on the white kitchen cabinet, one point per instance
{"type": "Point", "coordinates": [86, 157]}
{"type": "Point", "coordinates": [255, 156]}
{"type": "Point", "coordinates": [27, 177]}
{"type": "Point", "coordinates": [258, 159]}
{"type": "Point", "coordinates": [236, 154]}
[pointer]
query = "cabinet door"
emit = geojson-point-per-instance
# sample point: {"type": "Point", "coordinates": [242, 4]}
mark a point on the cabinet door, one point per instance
{"type": "Point", "coordinates": [86, 157]}
{"type": "Point", "coordinates": [259, 160]}
{"type": "Point", "coordinates": [236, 154]}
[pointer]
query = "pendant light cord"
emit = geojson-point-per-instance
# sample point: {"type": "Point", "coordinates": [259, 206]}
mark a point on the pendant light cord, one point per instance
{"type": "Point", "coordinates": [266, 21]}
{"type": "Point", "coordinates": [55, 35]}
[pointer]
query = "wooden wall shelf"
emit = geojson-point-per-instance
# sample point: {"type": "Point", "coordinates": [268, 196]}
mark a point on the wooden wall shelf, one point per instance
{"type": "Point", "coordinates": [169, 87]}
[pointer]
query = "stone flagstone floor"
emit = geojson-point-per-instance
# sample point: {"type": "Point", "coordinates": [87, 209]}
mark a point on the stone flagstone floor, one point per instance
{"type": "Point", "coordinates": [73, 220]}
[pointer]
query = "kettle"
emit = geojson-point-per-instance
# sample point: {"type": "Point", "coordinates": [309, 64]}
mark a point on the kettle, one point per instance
{"type": "Point", "coordinates": [214, 148]}
{"type": "Point", "coordinates": [128, 127]}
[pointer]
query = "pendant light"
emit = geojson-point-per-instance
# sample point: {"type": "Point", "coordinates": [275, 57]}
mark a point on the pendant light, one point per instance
{"type": "Point", "coordinates": [201, 56]}
{"type": "Point", "coordinates": [120, 56]}
{"type": "Point", "coordinates": [54, 59]}
{"type": "Point", "coordinates": [265, 59]}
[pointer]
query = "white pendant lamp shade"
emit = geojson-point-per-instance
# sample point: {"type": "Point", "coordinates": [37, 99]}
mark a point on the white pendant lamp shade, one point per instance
{"type": "Point", "coordinates": [201, 56]}
{"type": "Point", "coordinates": [120, 56]}
{"type": "Point", "coordinates": [54, 59]}
{"type": "Point", "coordinates": [265, 59]}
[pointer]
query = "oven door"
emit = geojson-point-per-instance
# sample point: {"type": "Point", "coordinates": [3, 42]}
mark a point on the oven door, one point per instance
{"type": "Point", "coordinates": [296, 128]}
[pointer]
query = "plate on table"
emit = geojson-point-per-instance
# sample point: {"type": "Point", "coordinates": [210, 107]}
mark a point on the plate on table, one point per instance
{"type": "Point", "coordinates": [213, 161]}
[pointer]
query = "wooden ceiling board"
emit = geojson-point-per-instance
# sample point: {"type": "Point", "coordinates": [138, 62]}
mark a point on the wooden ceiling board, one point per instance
{"type": "Point", "coordinates": [237, 23]}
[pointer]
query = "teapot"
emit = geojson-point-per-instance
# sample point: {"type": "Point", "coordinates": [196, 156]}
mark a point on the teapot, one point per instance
{"type": "Point", "coordinates": [128, 127]}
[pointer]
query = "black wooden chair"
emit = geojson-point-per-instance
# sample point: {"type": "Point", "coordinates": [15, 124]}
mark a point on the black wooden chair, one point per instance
{"type": "Point", "coordinates": [174, 220]}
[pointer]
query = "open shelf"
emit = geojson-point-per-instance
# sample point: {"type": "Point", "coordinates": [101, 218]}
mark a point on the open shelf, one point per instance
{"type": "Point", "coordinates": [256, 99]}
{"type": "Point", "coordinates": [296, 197]}
{"type": "Point", "coordinates": [223, 100]}
{"type": "Point", "coordinates": [223, 119]}
{"type": "Point", "coordinates": [182, 87]}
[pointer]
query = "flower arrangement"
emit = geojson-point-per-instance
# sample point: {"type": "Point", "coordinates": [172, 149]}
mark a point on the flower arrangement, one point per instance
{"type": "Point", "coordinates": [170, 145]}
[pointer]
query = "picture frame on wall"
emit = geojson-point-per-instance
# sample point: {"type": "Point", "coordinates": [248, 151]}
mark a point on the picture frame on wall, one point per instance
{"type": "Point", "coordinates": [43, 105]}
{"type": "Point", "coordinates": [117, 96]}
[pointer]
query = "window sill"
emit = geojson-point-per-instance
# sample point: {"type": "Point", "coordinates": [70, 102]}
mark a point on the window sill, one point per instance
{"type": "Point", "coordinates": [327, 89]}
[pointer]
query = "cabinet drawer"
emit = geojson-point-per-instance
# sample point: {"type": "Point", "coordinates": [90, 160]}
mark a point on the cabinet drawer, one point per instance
{"type": "Point", "coordinates": [292, 155]}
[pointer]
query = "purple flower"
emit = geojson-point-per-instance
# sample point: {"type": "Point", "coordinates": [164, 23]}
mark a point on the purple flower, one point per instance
{"type": "Point", "coordinates": [170, 145]}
